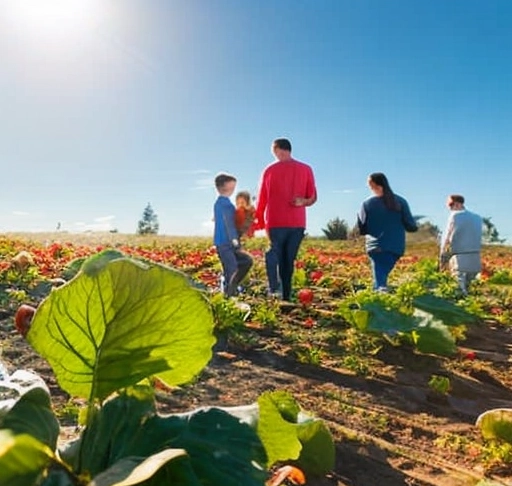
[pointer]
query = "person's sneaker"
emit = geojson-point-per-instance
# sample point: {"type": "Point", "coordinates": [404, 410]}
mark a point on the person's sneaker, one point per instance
{"type": "Point", "coordinates": [274, 295]}
{"type": "Point", "coordinates": [243, 307]}
{"type": "Point", "coordinates": [383, 290]}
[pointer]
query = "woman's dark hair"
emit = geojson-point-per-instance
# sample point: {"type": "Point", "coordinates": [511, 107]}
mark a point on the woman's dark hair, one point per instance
{"type": "Point", "coordinates": [390, 201]}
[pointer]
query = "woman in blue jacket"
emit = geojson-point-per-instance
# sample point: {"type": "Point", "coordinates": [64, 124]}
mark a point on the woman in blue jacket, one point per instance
{"type": "Point", "coordinates": [384, 218]}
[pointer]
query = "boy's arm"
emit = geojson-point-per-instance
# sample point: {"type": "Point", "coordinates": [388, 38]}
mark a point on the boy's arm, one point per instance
{"type": "Point", "coordinates": [228, 217]}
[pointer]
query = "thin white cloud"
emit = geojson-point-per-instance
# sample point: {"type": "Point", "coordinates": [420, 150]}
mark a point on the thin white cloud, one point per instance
{"type": "Point", "coordinates": [20, 213]}
{"type": "Point", "coordinates": [343, 191]}
{"type": "Point", "coordinates": [202, 184]}
{"type": "Point", "coordinates": [97, 226]}
{"type": "Point", "coordinates": [192, 172]}
{"type": "Point", "coordinates": [199, 171]}
{"type": "Point", "coordinates": [104, 219]}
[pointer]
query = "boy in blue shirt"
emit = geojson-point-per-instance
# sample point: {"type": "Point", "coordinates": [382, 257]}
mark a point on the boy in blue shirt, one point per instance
{"type": "Point", "coordinates": [235, 262]}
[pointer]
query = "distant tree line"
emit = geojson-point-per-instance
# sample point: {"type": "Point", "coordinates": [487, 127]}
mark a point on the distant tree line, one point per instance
{"type": "Point", "coordinates": [338, 229]}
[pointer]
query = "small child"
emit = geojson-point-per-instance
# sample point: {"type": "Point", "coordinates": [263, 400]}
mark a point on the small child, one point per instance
{"type": "Point", "coordinates": [244, 215]}
{"type": "Point", "coordinates": [235, 262]}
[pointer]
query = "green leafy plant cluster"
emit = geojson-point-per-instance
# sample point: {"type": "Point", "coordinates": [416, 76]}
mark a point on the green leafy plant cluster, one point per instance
{"type": "Point", "coordinates": [106, 333]}
{"type": "Point", "coordinates": [425, 320]}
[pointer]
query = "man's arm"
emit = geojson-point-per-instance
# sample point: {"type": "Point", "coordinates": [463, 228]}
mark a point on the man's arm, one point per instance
{"type": "Point", "coordinates": [311, 193]}
{"type": "Point", "coordinates": [446, 241]}
{"type": "Point", "coordinates": [261, 205]}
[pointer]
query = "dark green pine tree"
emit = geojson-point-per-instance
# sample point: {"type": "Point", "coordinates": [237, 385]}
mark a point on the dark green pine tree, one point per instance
{"type": "Point", "coordinates": [148, 225]}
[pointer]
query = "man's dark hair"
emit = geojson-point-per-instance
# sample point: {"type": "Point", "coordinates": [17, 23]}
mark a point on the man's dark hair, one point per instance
{"type": "Point", "coordinates": [222, 178]}
{"type": "Point", "coordinates": [457, 198]}
{"type": "Point", "coordinates": [283, 144]}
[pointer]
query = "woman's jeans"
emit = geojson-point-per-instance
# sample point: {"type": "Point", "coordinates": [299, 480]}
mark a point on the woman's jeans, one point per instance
{"type": "Point", "coordinates": [285, 243]}
{"type": "Point", "coordinates": [382, 264]}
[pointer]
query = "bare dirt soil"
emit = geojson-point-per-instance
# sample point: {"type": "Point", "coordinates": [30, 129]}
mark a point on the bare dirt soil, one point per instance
{"type": "Point", "coordinates": [390, 427]}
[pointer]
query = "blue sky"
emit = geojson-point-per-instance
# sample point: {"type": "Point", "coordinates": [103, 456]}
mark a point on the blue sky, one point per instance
{"type": "Point", "coordinates": [107, 105]}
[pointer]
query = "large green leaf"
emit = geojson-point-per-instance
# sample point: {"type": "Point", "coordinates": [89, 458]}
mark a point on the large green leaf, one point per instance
{"type": "Point", "coordinates": [116, 431]}
{"type": "Point", "coordinates": [380, 319]}
{"type": "Point", "coordinates": [32, 414]}
{"type": "Point", "coordinates": [432, 336]}
{"type": "Point", "coordinates": [221, 449]}
{"type": "Point", "coordinates": [447, 312]}
{"type": "Point", "coordinates": [131, 471]}
{"type": "Point", "coordinates": [318, 453]}
{"type": "Point", "coordinates": [279, 436]}
{"type": "Point", "coordinates": [496, 424]}
{"type": "Point", "coordinates": [119, 321]}
{"type": "Point", "coordinates": [289, 434]}
{"type": "Point", "coordinates": [22, 459]}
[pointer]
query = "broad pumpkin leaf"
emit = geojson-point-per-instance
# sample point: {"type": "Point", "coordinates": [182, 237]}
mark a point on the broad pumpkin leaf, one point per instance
{"type": "Point", "coordinates": [115, 432]}
{"type": "Point", "coordinates": [289, 434]}
{"type": "Point", "coordinates": [496, 424]}
{"type": "Point", "coordinates": [318, 454]}
{"type": "Point", "coordinates": [131, 471]}
{"type": "Point", "coordinates": [447, 312]}
{"type": "Point", "coordinates": [220, 449]}
{"type": "Point", "coordinates": [279, 436]}
{"type": "Point", "coordinates": [22, 459]}
{"type": "Point", "coordinates": [379, 319]}
{"type": "Point", "coordinates": [32, 414]}
{"type": "Point", "coordinates": [119, 321]}
{"type": "Point", "coordinates": [432, 336]}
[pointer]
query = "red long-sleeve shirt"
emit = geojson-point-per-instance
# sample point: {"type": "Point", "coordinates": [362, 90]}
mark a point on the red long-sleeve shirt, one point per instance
{"type": "Point", "coordinates": [281, 183]}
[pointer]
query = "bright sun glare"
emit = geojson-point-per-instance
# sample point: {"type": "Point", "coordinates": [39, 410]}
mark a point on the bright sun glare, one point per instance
{"type": "Point", "coordinates": [52, 19]}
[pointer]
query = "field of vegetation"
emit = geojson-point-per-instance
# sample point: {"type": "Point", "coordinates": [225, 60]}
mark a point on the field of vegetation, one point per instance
{"type": "Point", "coordinates": [399, 380]}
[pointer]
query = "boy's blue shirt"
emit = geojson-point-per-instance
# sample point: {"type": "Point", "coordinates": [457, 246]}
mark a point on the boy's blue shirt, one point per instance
{"type": "Point", "coordinates": [224, 216]}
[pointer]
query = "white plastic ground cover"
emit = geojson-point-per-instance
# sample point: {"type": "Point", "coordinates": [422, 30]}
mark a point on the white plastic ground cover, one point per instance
{"type": "Point", "coordinates": [13, 386]}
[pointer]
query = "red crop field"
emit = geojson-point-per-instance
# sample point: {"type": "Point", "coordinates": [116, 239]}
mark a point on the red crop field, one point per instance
{"type": "Point", "coordinates": [399, 379]}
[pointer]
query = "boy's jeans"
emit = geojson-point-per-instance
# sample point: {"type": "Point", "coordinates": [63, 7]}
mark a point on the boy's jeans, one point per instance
{"type": "Point", "coordinates": [236, 263]}
{"type": "Point", "coordinates": [285, 244]}
{"type": "Point", "coordinates": [382, 264]}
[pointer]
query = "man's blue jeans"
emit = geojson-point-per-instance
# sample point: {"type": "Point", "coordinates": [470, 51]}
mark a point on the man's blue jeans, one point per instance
{"type": "Point", "coordinates": [285, 243]}
{"type": "Point", "coordinates": [271, 267]}
{"type": "Point", "coordinates": [382, 264]}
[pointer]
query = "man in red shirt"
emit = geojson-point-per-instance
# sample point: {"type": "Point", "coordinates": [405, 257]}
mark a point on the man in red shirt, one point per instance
{"type": "Point", "coordinates": [287, 187]}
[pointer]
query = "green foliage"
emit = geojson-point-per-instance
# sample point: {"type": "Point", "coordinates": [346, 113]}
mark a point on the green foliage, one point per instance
{"type": "Point", "coordinates": [120, 321]}
{"type": "Point", "coordinates": [490, 233]}
{"type": "Point", "coordinates": [336, 229]}
{"type": "Point", "coordinates": [501, 277]}
{"type": "Point", "coordinates": [228, 317]}
{"type": "Point", "coordinates": [117, 323]}
{"type": "Point", "coordinates": [440, 384]}
{"type": "Point", "coordinates": [148, 225]}
{"type": "Point", "coordinates": [496, 424]}
{"type": "Point", "coordinates": [425, 319]}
